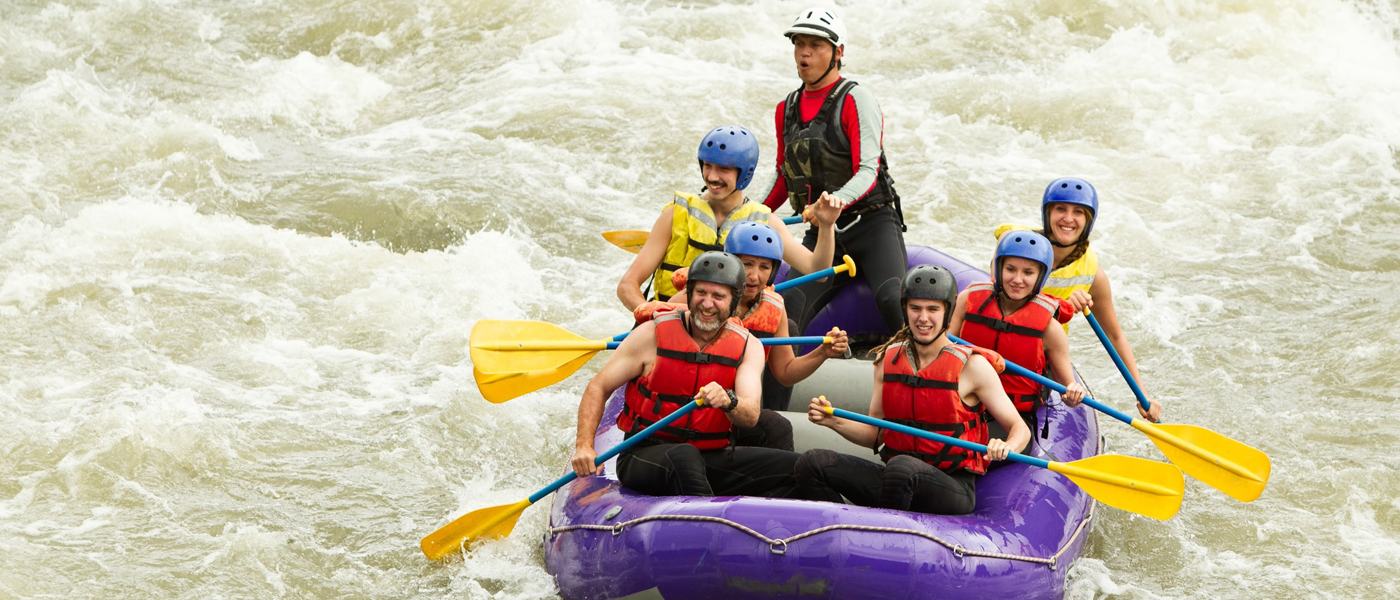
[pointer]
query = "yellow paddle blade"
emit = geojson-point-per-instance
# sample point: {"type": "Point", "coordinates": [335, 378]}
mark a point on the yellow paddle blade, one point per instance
{"type": "Point", "coordinates": [1220, 462]}
{"type": "Point", "coordinates": [1138, 485]}
{"type": "Point", "coordinates": [499, 346]}
{"type": "Point", "coordinates": [491, 522]}
{"type": "Point", "coordinates": [501, 387]}
{"type": "Point", "coordinates": [631, 240]}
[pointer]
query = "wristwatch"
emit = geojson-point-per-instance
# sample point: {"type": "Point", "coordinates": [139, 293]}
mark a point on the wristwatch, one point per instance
{"type": "Point", "coordinates": [733, 401]}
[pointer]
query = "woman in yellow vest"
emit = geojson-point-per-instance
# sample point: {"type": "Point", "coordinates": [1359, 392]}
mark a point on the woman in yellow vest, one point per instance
{"type": "Point", "coordinates": [692, 224]}
{"type": "Point", "coordinates": [1067, 211]}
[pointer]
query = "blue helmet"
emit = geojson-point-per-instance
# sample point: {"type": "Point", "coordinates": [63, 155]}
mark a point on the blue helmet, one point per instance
{"type": "Point", "coordinates": [1028, 245]}
{"type": "Point", "coordinates": [1070, 190]}
{"type": "Point", "coordinates": [756, 239]}
{"type": "Point", "coordinates": [731, 146]}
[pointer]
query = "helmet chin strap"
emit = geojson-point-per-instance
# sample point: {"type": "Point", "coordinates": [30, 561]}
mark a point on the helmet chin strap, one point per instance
{"type": "Point", "coordinates": [830, 66]}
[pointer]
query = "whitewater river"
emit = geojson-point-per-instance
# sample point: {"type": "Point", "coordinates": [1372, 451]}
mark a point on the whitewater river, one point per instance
{"type": "Point", "coordinates": [242, 245]}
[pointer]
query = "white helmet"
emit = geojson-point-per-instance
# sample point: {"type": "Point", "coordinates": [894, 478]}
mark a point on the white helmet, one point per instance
{"type": "Point", "coordinates": [821, 22]}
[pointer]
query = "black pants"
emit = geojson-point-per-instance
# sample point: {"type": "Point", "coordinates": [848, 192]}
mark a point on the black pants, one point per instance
{"type": "Point", "coordinates": [876, 244]}
{"type": "Point", "coordinates": [684, 470]}
{"type": "Point", "coordinates": [772, 431]}
{"type": "Point", "coordinates": [904, 483]}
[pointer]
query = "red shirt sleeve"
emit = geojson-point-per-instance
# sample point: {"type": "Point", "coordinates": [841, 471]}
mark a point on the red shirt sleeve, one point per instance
{"type": "Point", "coordinates": [778, 196]}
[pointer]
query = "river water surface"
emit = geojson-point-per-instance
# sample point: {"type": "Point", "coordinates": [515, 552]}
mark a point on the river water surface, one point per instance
{"type": "Point", "coordinates": [242, 246]}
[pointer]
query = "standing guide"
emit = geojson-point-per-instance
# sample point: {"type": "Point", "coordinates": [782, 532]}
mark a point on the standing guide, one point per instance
{"type": "Point", "coordinates": [830, 146]}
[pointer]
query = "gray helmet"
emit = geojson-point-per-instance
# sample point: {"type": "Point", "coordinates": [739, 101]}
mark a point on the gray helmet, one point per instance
{"type": "Point", "coordinates": [718, 267]}
{"type": "Point", "coordinates": [929, 282]}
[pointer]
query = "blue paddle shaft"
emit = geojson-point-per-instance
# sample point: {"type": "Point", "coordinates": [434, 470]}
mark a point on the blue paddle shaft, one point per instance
{"type": "Point", "coordinates": [1016, 369]}
{"type": "Point", "coordinates": [784, 341]}
{"type": "Point", "coordinates": [804, 279]}
{"type": "Point", "coordinates": [793, 220]}
{"type": "Point", "coordinates": [618, 449]}
{"type": "Point", "coordinates": [928, 435]}
{"type": "Point", "coordinates": [1118, 360]}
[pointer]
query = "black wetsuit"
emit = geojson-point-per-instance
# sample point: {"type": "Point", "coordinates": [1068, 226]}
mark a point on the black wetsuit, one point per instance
{"type": "Point", "coordinates": [874, 240]}
{"type": "Point", "coordinates": [905, 483]}
{"type": "Point", "coordinates": [684, 470]}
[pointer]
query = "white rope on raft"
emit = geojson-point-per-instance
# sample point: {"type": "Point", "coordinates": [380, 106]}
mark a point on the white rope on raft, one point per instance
{"type": "Point", "coordinates": [779, 545]}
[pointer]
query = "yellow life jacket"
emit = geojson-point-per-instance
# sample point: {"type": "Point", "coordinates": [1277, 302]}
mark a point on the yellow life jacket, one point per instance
{"type": "Point", "coordinates": [1078, 275]}
{"type": "Point", "coordinates": [694, 232]}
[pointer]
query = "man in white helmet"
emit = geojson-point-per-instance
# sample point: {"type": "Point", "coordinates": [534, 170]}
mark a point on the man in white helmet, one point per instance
{"type": "Point", "coordinates": [830, 145]}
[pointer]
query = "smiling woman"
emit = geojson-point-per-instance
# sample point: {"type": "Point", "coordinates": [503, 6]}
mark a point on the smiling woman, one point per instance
{"type": "Point", "coordinates": [1068, 209]}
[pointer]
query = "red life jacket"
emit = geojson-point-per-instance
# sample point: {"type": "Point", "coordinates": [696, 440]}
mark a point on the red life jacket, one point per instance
{"type": "Point", "coordinates": [681, 369]}
{"type": "Point", "coordinates": [929, 400]}
{"type": "Point", "coordinates": [1017, 337]}
{"type": "Point", "coordinates": [765, 316]}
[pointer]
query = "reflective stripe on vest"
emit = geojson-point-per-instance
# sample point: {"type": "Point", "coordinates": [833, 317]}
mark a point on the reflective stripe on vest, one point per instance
{"type": "Point", "coordinates": [681, 369]}
{"type": "Point", "coordinates": [1016, 337]}
{"type": "Point", "coordinates": [694, 231]}
{"type": "Point", "coordinates": [817, 154]}
{"type": "Point", "coordinates": [929, 400]}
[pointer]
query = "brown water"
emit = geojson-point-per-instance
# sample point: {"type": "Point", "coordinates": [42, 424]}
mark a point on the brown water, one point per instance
{"type": "Point", "coordinates": [243, 245]}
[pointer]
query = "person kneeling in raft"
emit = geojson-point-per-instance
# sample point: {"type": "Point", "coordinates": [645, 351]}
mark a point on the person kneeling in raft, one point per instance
{"type": "Point", "coordinates": [761, 250]}
{"type": "Point", "coordinates": [925, 381]}
{"type": "Point", "coordinates": [676, 359]}
{"type": "Point", "coordinates": [694, 224]}
{"type": "Point", "coordinates": [1012, 317]}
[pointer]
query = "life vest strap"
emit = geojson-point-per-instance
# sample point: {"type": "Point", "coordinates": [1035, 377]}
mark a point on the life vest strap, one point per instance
{"type": "Point", "coordinates": [915, 381]}
{"type": "Point", "coordinates": [948, 429]}
{"type": "Point", "coordinates": [703, 247]}
{"type": "Point", "coordinates": [657, 399]}
{"type": "Point", "coordinates": [1003, 326]}
{"type": "Point", "coordinates": [680, 433]}
{"type": "Point", "coordinates": [698, 358]}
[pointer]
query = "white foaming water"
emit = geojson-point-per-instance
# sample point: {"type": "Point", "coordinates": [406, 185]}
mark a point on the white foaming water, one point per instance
{"type": "Point", "coordinates": [243, 249]}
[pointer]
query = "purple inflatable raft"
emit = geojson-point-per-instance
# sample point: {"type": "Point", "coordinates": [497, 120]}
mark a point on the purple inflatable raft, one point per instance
{"type": "Point", "coordinates": [605, 542]}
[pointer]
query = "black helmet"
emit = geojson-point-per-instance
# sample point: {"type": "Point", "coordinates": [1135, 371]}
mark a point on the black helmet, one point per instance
{"type": "Point", "coordinates": [930, 282]}
{"type": "Point", "coordinates": [718, 267]}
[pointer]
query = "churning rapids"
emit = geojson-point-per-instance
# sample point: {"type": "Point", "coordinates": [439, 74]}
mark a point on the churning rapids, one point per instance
{"type": "Point", "coordinates": [242, 245]}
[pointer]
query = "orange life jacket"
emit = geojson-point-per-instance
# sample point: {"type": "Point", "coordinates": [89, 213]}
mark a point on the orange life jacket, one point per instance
{"type": "Point", "coordinates": [681, 369]}
{"type": "Point", "coordinates": [1017, 337]}
{"type": "Point", "coordinates": [929, 400]}
{"type": "Point", "coordinates": [765, 316]}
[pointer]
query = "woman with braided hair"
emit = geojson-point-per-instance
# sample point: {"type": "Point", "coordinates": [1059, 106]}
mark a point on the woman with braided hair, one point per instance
{"type": "Point", "coordinates": [1068, 209]}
